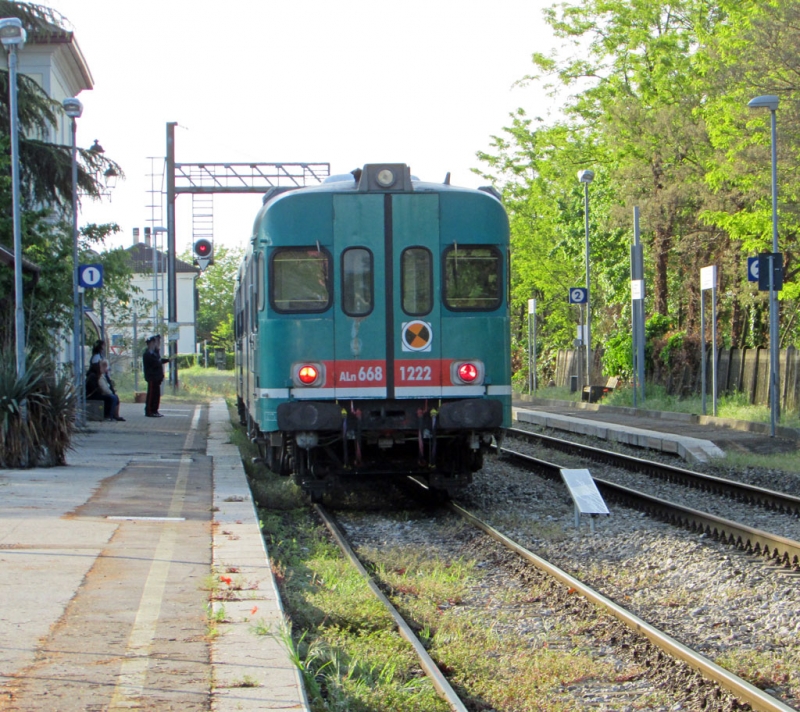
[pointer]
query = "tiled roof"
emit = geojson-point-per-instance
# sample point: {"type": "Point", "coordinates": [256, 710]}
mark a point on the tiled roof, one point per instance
{"type": "Point", "coordinates": [142, 260]}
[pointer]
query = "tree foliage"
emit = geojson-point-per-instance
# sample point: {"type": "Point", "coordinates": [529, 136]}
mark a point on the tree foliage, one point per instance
{"type": "Point", "coordinates": [46, 180]}
{"type": "Point", "coordinates": [654, 99]}
{"type": "Point", "coordinates": [215, 290]}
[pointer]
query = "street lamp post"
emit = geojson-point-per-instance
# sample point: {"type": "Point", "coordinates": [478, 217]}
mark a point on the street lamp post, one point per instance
{"type": "Point", "coordinates": [13, 36]}
{"type": "Point", "coordinates": [73, 109]}
{"type": "Point", "coordinates": [586, 177]}
{"type": "Point", "coordinates": [158, 230]}
{"type": "Point", "coordinates": [771, 102]}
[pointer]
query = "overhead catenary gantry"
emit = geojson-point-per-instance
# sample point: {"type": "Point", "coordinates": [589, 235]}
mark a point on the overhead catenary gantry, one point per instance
{"type": "Point", "coordinates": [245, 177]}
{"type": "Point", "coordinates": [209, 178]}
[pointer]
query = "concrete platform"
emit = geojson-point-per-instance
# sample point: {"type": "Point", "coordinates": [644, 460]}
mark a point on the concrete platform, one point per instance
{"type": "Point", "coordinates": [109, 564]}
{"type": "Point", "coordinates": [689, 448]}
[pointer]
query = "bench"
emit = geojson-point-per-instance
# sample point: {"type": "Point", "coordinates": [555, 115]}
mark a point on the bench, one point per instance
{"type": "Point", "coordinates": [592, 394]}
{"type": "Point", "coordinates": [94, 410]}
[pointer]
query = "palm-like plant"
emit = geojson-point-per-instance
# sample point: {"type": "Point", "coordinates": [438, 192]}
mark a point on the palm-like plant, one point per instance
{"type": "Point", "coordinates": [37, 411]}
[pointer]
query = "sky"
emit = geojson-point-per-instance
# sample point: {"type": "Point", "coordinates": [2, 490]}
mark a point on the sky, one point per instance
{"type": "Point", "coordinates": [350, 82]}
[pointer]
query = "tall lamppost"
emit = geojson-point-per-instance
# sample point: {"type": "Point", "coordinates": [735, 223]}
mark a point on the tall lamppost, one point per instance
{"type": "Point", "coordinates": [586, 177]}
{"type": "Point", "coordinates": [13, 36]}
{"type": "Point", "coordinates": [770, 102]}
{"type": "Point", "coordinates": [73, 108]}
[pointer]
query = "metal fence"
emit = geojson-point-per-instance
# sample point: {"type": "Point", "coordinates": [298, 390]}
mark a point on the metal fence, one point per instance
{"type": "Point", "coordinates": [738, 370]}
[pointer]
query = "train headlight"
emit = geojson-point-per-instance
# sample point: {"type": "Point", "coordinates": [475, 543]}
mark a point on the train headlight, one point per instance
{"type": "Point", "coordinates": [308, 374]}
{"type": "Point", "coordinates": [467, 373]}
{"type": "Point", "coordinates": [386, 178]}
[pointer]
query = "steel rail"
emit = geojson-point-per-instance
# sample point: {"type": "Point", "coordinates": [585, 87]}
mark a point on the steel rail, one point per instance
{"type": "Point", "coordinates": [439, 681]}
{"type": "Point", "coordinates": [757, 699]}
{"type": "Point", "coordinates": [785, 551]}
{"type": "Point", "coordinates": [748, 493]}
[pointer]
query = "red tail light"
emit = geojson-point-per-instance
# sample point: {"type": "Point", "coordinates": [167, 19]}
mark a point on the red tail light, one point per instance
{"type": "Point", "coordinates": [468, 372]}
{"type": "Point", "coordinates": [307, 375]}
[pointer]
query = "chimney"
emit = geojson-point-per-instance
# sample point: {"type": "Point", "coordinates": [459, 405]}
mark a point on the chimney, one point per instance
{"type": "Point", "coordinates": [147, 236]}
{"type": "Point", "coordinates": [136, 236]}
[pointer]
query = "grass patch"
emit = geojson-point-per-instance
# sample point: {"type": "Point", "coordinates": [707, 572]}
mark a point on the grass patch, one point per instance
{"type": "Point", "coordinates": [196, 383]}
{"type": "Point", "coordinates": [734, 405]}
{"type": "Point", "coordinates": [341, 639]}
{"type": "Point", "coordinates": [765, 669]}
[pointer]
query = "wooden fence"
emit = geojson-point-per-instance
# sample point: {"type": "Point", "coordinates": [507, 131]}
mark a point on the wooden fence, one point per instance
{"type": "Point", "coordinates": [738, 370]}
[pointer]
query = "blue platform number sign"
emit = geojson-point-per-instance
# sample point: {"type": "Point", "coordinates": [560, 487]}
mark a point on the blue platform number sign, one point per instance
{"type": "Point", "coordinates": [578, 295]}
{"type": "Point", "coordinates": [90, 276]}
{"type": "Point", "coordinates": [752, 269]}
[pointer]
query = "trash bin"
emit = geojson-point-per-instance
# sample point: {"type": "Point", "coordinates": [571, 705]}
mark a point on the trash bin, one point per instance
{"type": "Point", "coordinates": [573, 384]}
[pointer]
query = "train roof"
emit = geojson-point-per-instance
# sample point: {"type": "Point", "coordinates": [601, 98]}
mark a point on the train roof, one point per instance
{"type": "Point", "coordinates": [373, 178]}
{"type": "Point", "coordinates": [380, 178]}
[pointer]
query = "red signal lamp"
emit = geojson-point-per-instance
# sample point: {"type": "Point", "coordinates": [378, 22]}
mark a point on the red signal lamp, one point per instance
{"type": "Point", "coordinates": [203, 248]}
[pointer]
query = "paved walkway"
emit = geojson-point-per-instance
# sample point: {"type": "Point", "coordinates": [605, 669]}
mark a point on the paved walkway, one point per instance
{"type": "Point", "coordinates": [109, 564]}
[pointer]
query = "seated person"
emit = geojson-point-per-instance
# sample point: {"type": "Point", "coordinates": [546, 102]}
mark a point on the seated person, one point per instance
{"type": "Point", "coordinates": [96, 384]}
{"type": "Point", "coordinates": [107, 388]}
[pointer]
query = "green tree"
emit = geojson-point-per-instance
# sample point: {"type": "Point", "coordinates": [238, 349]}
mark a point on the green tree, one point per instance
{"type": "Point", "coordinates": [654, 101]}
{"type": "Point", "coordinates": [215, 290]}
{"type": "Point", "coordinates": [753, 54]}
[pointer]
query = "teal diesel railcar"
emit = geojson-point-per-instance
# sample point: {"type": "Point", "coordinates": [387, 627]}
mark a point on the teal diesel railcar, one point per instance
{"type": "Point", "coordinates": [372, 329]}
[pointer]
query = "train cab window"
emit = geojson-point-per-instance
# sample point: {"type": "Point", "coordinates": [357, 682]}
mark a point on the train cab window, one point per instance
{"type": "Point", "coordinates": [357, 281]}
{"type": "Point", "coordinates": [473, 278]}
{"type": "Point", "coordinates": [416, 274]}
{"type": "Point", "coordinates": [300, 280]}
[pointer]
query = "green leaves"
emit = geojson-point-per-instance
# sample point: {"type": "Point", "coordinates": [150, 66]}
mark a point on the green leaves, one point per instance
{"type": "Point", "coordinates": [655, 102]}
{"type": "Point", "coordinates": [215, 290]}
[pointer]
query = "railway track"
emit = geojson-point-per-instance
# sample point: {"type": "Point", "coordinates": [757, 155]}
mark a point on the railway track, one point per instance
{"type": "Point", "coordinates": [740, 688]}
{"type": "Point", "coordinates": [778, 501]}
{"type": "Point", "coordinates": [779, 549]}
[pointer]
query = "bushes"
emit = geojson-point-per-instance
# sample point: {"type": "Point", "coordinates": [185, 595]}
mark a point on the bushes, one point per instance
{"type": "Point", "coordinates": [37, 412]}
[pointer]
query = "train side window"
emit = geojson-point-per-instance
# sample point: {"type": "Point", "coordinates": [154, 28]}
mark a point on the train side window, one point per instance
{"type": "Point", "coordinates": [473, 278]}
{"type": "Point", "coordinates": [416, 275]}
{"type": "Point", "coordinates": [300, 280]}
{"type": "Point", "coordinates": [261, 285]}
{"type": "Point", "coordinates": [357, 281]}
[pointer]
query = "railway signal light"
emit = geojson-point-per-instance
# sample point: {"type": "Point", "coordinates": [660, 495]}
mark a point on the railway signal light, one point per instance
{"type": "Point", "coordinates": [203, 253]}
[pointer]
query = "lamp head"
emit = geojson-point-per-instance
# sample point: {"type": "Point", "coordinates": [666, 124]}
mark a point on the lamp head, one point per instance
{"type": "Point", "coordinates": [768, 101]}
{"type": "Point", "coordinates": [72, 107]}
{"type": "Point", "coordinates": [111, 176]}
{"type": "Point", "coordinates": [586, 176]}
{"type": "Point", "coordinates": [12, 33]}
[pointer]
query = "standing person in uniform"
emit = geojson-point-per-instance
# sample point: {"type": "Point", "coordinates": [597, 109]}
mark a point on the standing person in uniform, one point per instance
{"type": "Point", "coordinates": [154, 375]}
